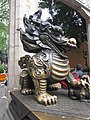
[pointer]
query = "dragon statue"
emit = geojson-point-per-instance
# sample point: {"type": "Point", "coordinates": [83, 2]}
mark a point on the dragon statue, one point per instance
{"type": "Point", "coordinates": [49, 64]}
{"type": "Point", "coordinates": [82, 91]}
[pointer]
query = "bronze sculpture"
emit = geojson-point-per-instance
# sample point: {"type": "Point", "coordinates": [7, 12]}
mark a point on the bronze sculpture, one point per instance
{"type": "Point", "coordinates": [82, 91]}
{"type": "Point", "coordinates": [49, 64]}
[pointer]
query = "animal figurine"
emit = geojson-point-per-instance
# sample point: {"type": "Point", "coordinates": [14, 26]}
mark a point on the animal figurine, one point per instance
{"type": "Point", "coordinates": [49, 64]}
{"type": "Point", "coordinates": [81, 92]}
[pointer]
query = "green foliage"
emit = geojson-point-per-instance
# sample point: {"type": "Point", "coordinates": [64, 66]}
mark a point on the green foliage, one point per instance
{"type": "Point", "coordinates": [2, 68]}
{"type": "Point", "coordinates": [4, 22]}
{"type": "Point", "coordinates": [72, 23]}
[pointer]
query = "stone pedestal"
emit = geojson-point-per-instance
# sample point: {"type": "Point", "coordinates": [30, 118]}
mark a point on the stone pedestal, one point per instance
{"type": "Point", "coordinates": [26, 108]}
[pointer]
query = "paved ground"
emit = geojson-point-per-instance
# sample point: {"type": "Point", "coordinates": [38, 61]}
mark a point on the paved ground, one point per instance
{"type": "Point", "coordinates": [2, 101]}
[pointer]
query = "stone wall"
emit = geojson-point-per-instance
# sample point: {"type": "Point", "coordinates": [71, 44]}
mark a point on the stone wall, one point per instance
{"type": "Point", "coordinates": [18, 8]}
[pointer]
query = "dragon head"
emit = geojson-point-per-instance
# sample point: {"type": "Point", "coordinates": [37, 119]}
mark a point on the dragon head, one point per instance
{"type": "Point", "coordinates": [40, 35]}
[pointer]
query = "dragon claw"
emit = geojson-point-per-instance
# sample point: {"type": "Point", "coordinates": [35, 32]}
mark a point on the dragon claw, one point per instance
{"type": "Point", "coordinates": [47, 99]}
{"type": "Point", "coordinates": [27, 91]}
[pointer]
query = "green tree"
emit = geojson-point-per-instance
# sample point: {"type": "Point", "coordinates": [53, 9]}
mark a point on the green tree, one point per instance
{"type": "Point", "coordinates": [72, 23]}
{"type": "Point", "coordinates": [4, 22]}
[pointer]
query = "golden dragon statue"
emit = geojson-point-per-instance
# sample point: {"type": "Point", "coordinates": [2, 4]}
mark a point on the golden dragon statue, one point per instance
{"type": "Point", "coordinates": [49, 64]}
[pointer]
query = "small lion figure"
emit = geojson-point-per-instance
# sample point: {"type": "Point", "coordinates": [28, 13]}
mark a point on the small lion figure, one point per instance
{"type": "Point", "coordinates": [81, 92]}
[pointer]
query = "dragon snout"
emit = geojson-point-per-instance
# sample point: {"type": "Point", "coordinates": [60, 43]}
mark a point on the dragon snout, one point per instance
{"type": "Point", "coordinates": [72, 42]}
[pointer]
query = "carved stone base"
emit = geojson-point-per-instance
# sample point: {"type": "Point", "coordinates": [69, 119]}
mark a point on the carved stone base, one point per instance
{"type": "Point", "coordinates": [26, 108]}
